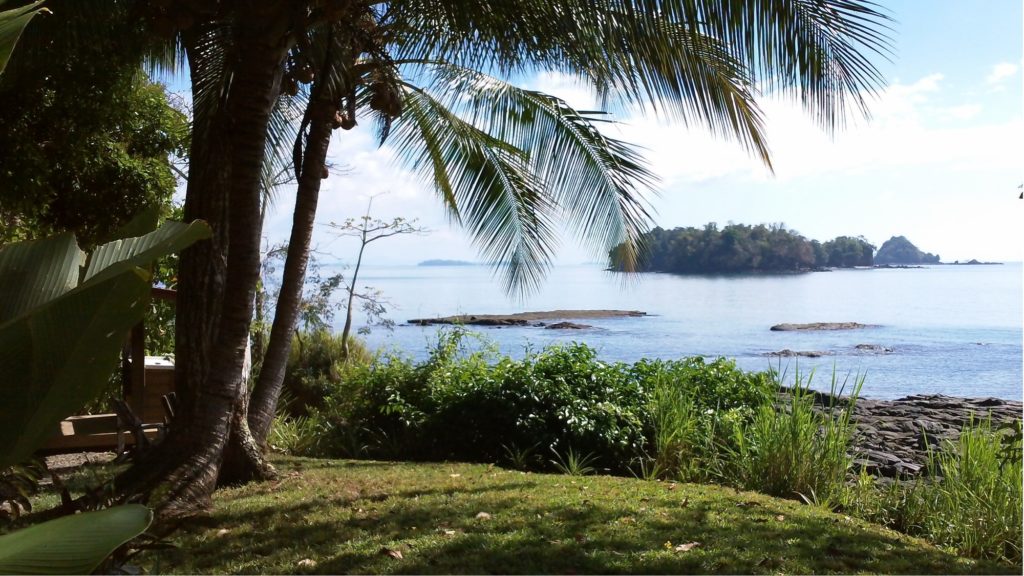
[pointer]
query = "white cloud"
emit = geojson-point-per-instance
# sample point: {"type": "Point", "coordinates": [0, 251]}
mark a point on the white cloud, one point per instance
{"type": "Point", "coordinates": [1001, 72]}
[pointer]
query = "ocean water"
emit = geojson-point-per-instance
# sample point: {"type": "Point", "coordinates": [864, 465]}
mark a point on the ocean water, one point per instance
{"type": "Point", "coordinates": [952, 329]}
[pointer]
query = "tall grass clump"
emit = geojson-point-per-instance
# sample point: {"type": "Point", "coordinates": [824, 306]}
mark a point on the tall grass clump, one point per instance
{"type": "Point", "coordinates": [687, 439]}
{"type": "Point", "coordinates": [969, 501]}
{"type": "Point", "coordinates": [974, 505]}
{"type": "Point", "coordinates": [794, 450]}
{"type": "Point", "coordinates": [296, 435]}
{"type": "Point", "coordinates": [316, 365]}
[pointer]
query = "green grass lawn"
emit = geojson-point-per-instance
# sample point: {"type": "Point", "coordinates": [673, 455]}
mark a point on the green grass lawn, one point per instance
{"type": "Point", "coordinates": [340, 516]}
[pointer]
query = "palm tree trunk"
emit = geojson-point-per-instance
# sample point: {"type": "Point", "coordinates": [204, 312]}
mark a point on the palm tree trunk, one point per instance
{"type": "Point", "coordinates": [265, 394]}
{"type": "Point", "coordinates": [243, 456]}
{"type": "Point", "coordinates": [213, 324]}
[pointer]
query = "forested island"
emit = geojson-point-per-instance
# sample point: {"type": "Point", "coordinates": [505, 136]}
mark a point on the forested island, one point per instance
{"type": "Point", "coordinates": [740, 248]}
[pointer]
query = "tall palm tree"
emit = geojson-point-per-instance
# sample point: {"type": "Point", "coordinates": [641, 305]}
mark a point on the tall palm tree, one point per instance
{"type": "Point", "coordinates": [507, 163]}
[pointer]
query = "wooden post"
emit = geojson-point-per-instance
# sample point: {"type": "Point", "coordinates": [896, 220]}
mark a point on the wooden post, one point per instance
{"type": "Point", "coordinates": [137, 386]}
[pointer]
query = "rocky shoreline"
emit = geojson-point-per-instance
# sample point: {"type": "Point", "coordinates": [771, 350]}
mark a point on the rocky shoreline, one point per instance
{"type": "Point", "coordinates": [892, 436]}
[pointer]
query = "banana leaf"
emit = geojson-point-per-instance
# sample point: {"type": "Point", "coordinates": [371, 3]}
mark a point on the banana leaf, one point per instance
{"type": "Point", "coordinates": [73, 544]}
{"type": "Point", "coordinates": [60, 342]}
{"type": "Point", "coordinates": [12, 22]}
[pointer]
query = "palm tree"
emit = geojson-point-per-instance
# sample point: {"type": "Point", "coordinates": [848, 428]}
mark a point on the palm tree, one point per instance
{"type": "Point", "coordinates": [507, 163]}
{"type": "Point", "coordinates": [511, 214]}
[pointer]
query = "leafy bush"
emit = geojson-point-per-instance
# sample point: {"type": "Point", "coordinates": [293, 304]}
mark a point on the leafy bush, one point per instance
{"type": "Point", "coordinates": [717, 385]}
{"type": "Point", "coordinates": [315, 368]}
{"type": "Point", "coordinates": [465, 402]}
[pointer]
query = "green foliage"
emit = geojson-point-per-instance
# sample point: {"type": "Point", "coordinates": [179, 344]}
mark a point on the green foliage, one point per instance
{"type": "Point", "coordinates": [74, 544]}
{"type": "Point", "coordinates": [739, 248]}
{"type": "Point", "coordinates": [64, 316]}
{"type": "Point", "coordinates": [573, 463]}
{"type": "Point", "coordinates": [316, 366]}
{"type": "Point", "coordinates": [845, 252]}
{"type": "Point", "coordinates": [87, 136]}
{"type": "Point", "coordinates": [684, 441]}
{"type": "Point", "coordinates": [466, 403]}
{"type": "Point", "coordinates": [695, 409]}
{"type": "Point", "coordinates": [18, 483]}
{"type": "Point", "coordinates": [296, 435]}
{"type": "Point", "coordinates": [970, 502]}
{"type": "Point", "coordinates": [797, 450]}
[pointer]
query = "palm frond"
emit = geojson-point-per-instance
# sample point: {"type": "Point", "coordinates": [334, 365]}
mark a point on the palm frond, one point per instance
{"type": "Point", "coordinates": [485, 183]}
{"type": "Point", "coordinates": [598, 183]}
{"type": "Point", "coordinates": [822, 48]}
{"type": "Point", "coordinates": [636, 50]}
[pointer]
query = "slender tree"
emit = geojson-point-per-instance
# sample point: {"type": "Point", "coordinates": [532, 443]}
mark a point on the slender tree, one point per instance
{"type": "Point", "coordinates": [366, 230]}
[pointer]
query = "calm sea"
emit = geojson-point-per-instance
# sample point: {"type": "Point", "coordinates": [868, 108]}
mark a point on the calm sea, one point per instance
{"type": "Point", "coordinates": [951, 329]}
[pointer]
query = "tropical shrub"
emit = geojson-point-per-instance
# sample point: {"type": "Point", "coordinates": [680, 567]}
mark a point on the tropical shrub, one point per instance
{"type": "Point", "coordinates": [315, 368]}
{"type": "Point", "coordinates": [64, 315]}
{"type": "Point", "coordinates": [466, 402]}
{"type": "Point", "coordinates": [560, 399]}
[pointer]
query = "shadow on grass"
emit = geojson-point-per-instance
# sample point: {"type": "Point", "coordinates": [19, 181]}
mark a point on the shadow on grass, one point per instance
{"type": "Point", "coordinates": [429, 523]}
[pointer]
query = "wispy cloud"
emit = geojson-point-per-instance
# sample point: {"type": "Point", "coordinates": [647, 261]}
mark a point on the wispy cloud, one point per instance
{"type": "Point", "coordinates": [1001, 72]}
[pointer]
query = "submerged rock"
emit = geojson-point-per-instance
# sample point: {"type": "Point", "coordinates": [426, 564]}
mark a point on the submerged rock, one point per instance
{"type": "Point", "coordinates": [787, 353]}
{"type": "Point", "coordinates": [875, 348]}
{"type": "Point", "coordinates": [567, 326]}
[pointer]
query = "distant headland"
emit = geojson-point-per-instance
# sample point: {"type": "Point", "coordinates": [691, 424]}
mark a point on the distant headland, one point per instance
{"type": "Point", "coordinates": [447, 263]}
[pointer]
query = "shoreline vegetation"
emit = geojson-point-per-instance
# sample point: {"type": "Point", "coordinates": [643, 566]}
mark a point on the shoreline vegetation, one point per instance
{"type": "Point", "coordinates": [925, 465]}
{"type": "Point", "coordinates": [765, 249]}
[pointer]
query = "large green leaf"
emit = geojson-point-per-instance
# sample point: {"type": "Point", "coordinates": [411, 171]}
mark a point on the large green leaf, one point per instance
{"type": "Point", "coordinates": [119, 256]}
{"type": "Point", "coordinates": [72, 544]}
{"type": "Point", "coordinates": [59, 343]}
{"type": "Point", "coordinates": [141, 224]}
{"type": "Point", "coordinates": [59, 356]}
{"type": "Point", "coordinates": [12, 22]}
{"type": "Point", "coordinates": [25, 282]}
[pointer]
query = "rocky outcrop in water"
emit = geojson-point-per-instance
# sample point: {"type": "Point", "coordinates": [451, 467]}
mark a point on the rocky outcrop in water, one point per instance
{"type": "Point", "coordinates": [873, 349]}
{"type": "Point", "coordinates": [787, 327]}
{"type": "Point", "coordinates": [527, 318]}
{"type": "Point", "coordinates": [567, 326]}
{"type": "Point", "coordinates": [893, 436]}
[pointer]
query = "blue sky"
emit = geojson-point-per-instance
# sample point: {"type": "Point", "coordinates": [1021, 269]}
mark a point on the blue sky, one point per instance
{"type": "Point", "coordinates": [939, 162]}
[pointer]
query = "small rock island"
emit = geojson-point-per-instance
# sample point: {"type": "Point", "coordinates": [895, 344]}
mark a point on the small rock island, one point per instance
{"type": "Point", "coordinates": [900, 251]}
